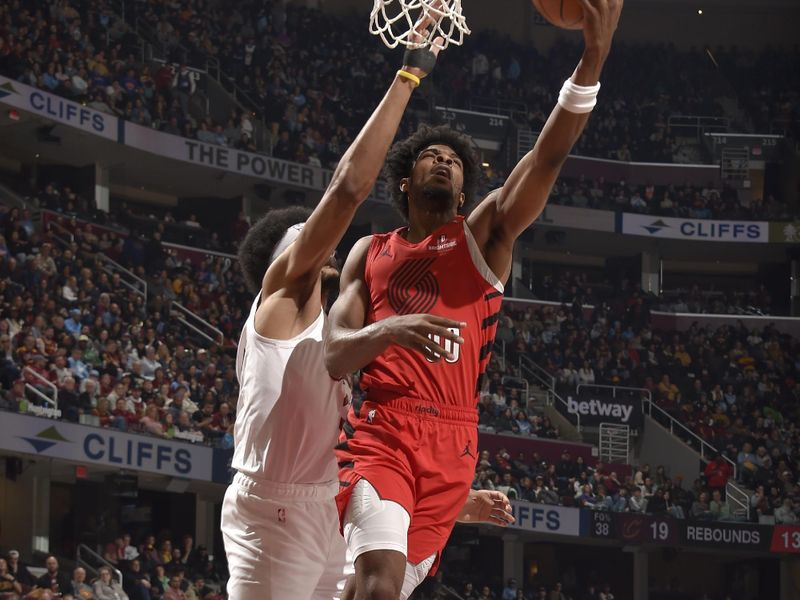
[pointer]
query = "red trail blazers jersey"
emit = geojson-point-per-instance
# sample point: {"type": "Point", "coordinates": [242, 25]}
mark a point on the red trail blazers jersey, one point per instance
{"type": "Point", "coordinates": [444, 275]}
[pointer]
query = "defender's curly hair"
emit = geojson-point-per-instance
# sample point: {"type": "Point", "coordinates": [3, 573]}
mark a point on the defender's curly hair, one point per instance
{"type": "Point", "coordinates": [401, 157]}
{"type": "Point", "coordinates": [261, 239]}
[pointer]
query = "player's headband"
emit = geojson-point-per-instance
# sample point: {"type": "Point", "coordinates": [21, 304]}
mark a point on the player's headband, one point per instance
{"type": "Point", "coordinates": [286, 241]}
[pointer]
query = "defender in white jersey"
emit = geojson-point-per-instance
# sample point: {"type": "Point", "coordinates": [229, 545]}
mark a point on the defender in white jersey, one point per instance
{"type": "Point", "coordinates": [279, 518]}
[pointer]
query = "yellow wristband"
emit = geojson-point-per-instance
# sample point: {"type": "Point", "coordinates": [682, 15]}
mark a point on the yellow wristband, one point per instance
{"type": "Point", "coordinates": [410, 76]}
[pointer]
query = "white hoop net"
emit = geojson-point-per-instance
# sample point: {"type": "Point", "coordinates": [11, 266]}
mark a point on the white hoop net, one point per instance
{"type": "Point", "coordinates": [394, 20]}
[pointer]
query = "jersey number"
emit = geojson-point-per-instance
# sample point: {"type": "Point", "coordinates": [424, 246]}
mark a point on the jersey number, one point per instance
{"type": "Point", "coordinates": [449, 345]}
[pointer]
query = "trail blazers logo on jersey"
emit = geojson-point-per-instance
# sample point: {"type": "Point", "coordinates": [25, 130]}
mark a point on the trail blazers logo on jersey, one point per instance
{"type": "Point", "coordinates": [412, 287]}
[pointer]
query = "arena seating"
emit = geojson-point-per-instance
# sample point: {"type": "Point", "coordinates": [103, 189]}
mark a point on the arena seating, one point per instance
{"type": "Point", "coordinates": [147, 566]}
{"type": "Point", "coordinates": [110, 353]}
{"type": "Point", "coordinates": [684, 201]}
{"type": "Point", "coordinates": [592, 286]}
{"type": "Point", "coordinates": [86, 52]}
{"type": "Point", "coordinates": [617, 342]}
{"type": "Point", "coordinates": [293, 85]}
{"type": "Point", "coordinates": [621, 348]}
{"type": "Point", "coordinates": [315, 98]}
{"type": "Point", "coordinates": [736, 388]}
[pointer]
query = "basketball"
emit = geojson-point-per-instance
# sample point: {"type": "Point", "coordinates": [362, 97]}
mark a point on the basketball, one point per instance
{"type": "Point", "coordinates": [567, 14]}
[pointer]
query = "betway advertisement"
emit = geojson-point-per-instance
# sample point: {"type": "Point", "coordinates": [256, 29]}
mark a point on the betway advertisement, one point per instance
{"type": "Point", "coordinates": [96, 445]}
{"type": "Point", "coordinates": [699, 230]}
{"type": "Point", "coordinates": [592, 409]}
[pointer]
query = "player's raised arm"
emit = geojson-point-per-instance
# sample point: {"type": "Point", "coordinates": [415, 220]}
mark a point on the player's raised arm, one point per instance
{"type": "Point", "coordinates": [351, 183]}
{"type": "Point", "coordinates": [504, 215]}
{"type": "Point", "coordinates": [350, 345]}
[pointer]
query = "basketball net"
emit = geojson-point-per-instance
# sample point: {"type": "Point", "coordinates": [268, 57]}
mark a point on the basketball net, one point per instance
{"type": "Point", "coordinates": [394, 20]}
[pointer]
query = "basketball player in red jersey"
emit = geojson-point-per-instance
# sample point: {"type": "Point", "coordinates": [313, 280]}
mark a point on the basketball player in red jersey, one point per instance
{"type": "Point", "coordinates": [417, 311]}
{"type": "Point", "coordinates": [279, 518]}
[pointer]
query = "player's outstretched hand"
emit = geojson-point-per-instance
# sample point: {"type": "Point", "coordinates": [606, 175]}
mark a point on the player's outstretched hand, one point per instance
{"type": "Point", "coordinates": [424, 333]}
{"type": "Point", "coordinates": [600, 22]}
{"type": "Point", "coordinates": [487, 506]}
{"type": "Point", "coordinates": [420, 61]}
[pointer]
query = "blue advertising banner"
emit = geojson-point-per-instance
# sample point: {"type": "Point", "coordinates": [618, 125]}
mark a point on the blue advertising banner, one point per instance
{"type": "Point", "coordinates": [700, 230]}
{"type": "Point", "coordinates": [60, 110]}
{"type": "Point", "coordinates": [96, 445]}
{"type": "Point", "coordinates": [544, 518]}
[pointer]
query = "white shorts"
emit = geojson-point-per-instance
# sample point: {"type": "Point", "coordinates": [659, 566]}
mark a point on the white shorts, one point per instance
{"type": "Point", "coordinates": [282, 541]}
{"type": "Point", "coordinates": [371, 523]}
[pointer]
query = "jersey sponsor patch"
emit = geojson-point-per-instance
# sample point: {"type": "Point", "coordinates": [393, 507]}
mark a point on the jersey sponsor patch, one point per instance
{"type": "Point", "coordinates": [442, 244]}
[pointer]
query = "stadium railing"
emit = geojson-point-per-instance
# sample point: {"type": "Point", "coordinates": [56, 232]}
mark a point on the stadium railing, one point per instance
{"type": "Point", "coordinates": [83, 552]}
{"type": "Point", "coordinates": [43, 382]}
{"type": "Point", "coordinates": [127, 277]}
{"type": "Point", "coordinates": [197, 324]}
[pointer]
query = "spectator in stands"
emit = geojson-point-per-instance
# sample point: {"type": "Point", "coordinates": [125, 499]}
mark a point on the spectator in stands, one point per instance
{"type": "Point", "coordinates": [105, 588]}
{"type": "Point", "coordinates": [15, 399]}
{"type": "Point", "coordinates": [54, 579]}
{"type": "Point", "coordinates": [101, 412]}
{"type": "Point", "coordinates": [587, 498]}
{"type": "Point", "coordinates": [198, 590]}
{"type": "Point", "coordinates": [557, 593]}
{"type": "Point", "coordinates": [8, 582]}
{"type": "Point", "coordinates": [509, 487]}
{"type": "Point", "coordinates": [80, 589]}
{"type": "Point", "coordinates": [700, 508]}
{"type": "Point", "coordinates": [510, 591]}
{"type": "Point", "coordinates": [151, 423]}
{"type": "Point", "coordinates": [147, 549]}
{"type": "Point", "coordinates": [223, 418]}
{"type": "Point", "coordinates": [671, 506]}
{"type": "Point", "coordinates": [747, 463]}
{"type": "Point", "coordinates": [19, 570]}
{"type": "Point", "coordinates": [786, 514]}
{"type": "Point", "coordinates": [174, 591]}
{"type": "Point", "coordinates": [717, 473]}
{"type": "Point", "coordinates": [637, 504]}
{"type": "Point", "coordinates": [68, 400]}
{"type": "Point", "coordinates": [184, 86]}
{"type": "Point", "coordinates": [123, 419]}
{"type": "Point", "coordinates": [720, 511]}
{"type": "Point", "coordinates": [620, 501]}
{"type": "Point", "coordinates": [136, 582]}
{"type": "Point", "coordinates": [160, 579]}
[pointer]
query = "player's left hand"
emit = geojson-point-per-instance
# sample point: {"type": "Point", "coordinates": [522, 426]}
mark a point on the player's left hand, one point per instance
{"type": "Point", "coordinates": [420, 62]}
{"type": "Point", "coordinates": [600, 19]}
{"type": "Point", "coordinates": [487, 506]}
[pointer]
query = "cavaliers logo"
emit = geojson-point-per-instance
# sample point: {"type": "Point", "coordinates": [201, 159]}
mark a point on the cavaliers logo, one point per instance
{"type": "Point", "coordinates": [412, 287]}
{"type": "Point", "coordinates": [632, 529]}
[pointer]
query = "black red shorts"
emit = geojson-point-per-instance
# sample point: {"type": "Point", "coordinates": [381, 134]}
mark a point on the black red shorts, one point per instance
{"type": "Point", "coordinates": [418, 454]}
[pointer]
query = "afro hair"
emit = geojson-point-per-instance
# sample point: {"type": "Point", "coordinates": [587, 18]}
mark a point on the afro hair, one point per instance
{"type": "Point", "coordinates": [261, 239]}
{"type": "Point", "coordinates": [401, 157]}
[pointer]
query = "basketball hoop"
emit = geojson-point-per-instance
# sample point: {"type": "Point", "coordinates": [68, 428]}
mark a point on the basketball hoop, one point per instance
{"type": "Point", "coordinates": [394, 20]}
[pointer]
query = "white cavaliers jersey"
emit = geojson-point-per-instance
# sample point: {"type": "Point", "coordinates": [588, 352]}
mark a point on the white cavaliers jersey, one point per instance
{"type": "Point", "coordinates": [289, 409]}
